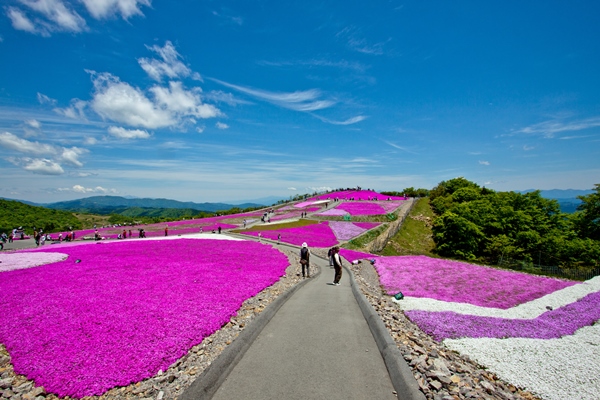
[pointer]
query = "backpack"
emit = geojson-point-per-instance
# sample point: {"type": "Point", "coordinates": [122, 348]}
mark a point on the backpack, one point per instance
{"type": "Point", "coordinates": [304, 253]}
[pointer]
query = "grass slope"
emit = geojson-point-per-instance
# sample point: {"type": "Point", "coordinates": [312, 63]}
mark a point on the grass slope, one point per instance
{"type": "Point", "coordinates": [414, 237]}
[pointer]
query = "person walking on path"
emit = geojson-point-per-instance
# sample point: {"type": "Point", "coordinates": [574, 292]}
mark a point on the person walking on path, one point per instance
{"type": "Point", "coordinates": [167, 230]}
{"type": "Point", "coordinates": [337, 266]}
{"type": "Point", "coordinates": [305, 260]}
{"type": "Point", "coordinates": [279, 238]}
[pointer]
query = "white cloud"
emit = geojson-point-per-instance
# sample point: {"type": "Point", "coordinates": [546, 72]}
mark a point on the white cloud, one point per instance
{"type": "Point", "coordinates": [123, 133]}
{"type": "Point", "coordinates": [38, 165]}
{"type": "Point", "coordinates": [33, 123]}
{"type": "Point", "coordinates": [484, 162]}
{"type": "Point", "coordinates": [183, 102]}
{"type": "Point", "coordinates": [120, 102]}
{"type": "Point", "coordinates": [399, 147]}
{"type": "Point", "coordinates": [292, 188]}
{"type": "Point", "coordinates": [221, 125]}
{"type": "Point", "coordinates": [54, 16]}
{"type": "Point", "coordinates": [349, 121]}
{"type": "Point", "coordinates": [13, 142]}
{"type": "Point", "coordinates": [43, 99]}
{"type": "Point", "coordinates": [200, 129]}
{"type": "Point", "coordinates": [90, 140]}
{"type": "Point", "coordinates": [307, 100]}
{"type": "Point", "coordinates": [58, 154]}
{"type": "Point", "coordinates": [170, 66]}
{"type": "Point", "coordinates": [358, 43]}
{"type": "Point", "coordinates": [83, 189]}
{"type": "Point", "coordinates": [169, 106]}
{"type": "Point", "coordinates": [20, 21]}
{"type": "Point", "coordinates": [71, 156]}
{"type": "Point", "coordinates": [527, 148]}
{"type": "Point", "coordinates": [74, 111]}
{"type": "Point", "coordinates": [550, 128]}
{"type": "Point", "coordinates": [107, 8]}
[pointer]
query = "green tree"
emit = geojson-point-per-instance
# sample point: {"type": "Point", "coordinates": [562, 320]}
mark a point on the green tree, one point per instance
{"type": "Point", "coordinates": [456, 236]}
{"type": "Point", "coordinates": [587, 219]}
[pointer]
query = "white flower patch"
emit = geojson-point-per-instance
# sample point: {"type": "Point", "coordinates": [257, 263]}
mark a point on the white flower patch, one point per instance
{"type": "Point", "coordinates": [12, 261]}
{"type": "Point", "coordinates": [554, 369]}
{"type": "Point", "coordinates": [529, 310]}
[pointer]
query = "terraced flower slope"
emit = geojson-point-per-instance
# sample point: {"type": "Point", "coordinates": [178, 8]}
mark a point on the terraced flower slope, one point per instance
{"type": "Point", "coordinates": [115, 313]}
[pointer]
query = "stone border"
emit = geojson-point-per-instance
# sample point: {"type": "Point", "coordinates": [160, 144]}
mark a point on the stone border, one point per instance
{"type": "Point", "coordinates": [401, 374]}
{"type": "Point", "coordinates": [207, 384]}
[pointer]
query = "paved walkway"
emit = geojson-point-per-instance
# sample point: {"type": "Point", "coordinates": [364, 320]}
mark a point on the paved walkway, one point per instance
{"type": "Point", "coordinates": [318, 345]}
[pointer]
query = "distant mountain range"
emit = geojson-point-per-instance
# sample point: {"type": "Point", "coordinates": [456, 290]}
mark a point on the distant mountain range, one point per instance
{"type": "Point", "coordinates": [107, 204]}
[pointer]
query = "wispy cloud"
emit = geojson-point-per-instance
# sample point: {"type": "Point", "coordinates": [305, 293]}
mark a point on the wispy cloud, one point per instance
{"type": "Point", "coordinates": [484, 162]}
{"type": "Point", "coordinates": [44, 17]}
{"type": "Point", "coordinates": [169, 65]}
{"type": "Point", "coordinates": [399, 147]}
{"type": "Point", "coordinates": [83, 189]}
{"type": "Point", "coordinates": [357, 42]}
{"type": "Point", "coordinates": [339, 64]}
{"type": "Point", "coordinates": [549, 129]}
{"type": "Point", "coordinates": [49, 16]}
{"type": "Point", "coordinates": [123, 133]}
{"type": "Point", "coordinates": [307, 100]}
{"type": "Point", "coordinates": [52, 155]}
{"type": "Point", "coordinates": [107, 8]}
{"type": "Point", "coordinates": [348, 121]}
{"type": "Point", "coordinates": [221, 125]}
{"type": "Point", "coordinates": [233, 19]}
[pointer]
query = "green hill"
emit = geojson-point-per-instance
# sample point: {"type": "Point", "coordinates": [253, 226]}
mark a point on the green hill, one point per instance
{"type": "Point", "coordinates": [16, 214]}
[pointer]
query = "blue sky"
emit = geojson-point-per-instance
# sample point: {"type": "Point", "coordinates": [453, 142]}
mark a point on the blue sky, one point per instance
{"type": "Point", "coordinates": [231, 100]}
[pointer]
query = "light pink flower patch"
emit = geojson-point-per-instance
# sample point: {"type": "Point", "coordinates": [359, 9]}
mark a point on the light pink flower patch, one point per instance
{"type": "Point", "coordinates": [334, 212]}
{"type": "Point", "coordinates": [127, 310]}
{"type": "Point", "coordinates": [348, 230]}
{"type": "Point", "coordinates": [447, 280]}
{"type": "Point", "coordinates": [12, 261]}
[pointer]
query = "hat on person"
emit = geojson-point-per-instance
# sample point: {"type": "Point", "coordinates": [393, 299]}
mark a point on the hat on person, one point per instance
{"type": "Point", "coordinates": [304, 244]}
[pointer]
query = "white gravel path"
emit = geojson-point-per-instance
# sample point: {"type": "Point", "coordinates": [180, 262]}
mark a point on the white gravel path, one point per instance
{"type": "Point", "coordinates": [528, 310]}
{"type": "Point", "coordinates": [554, 369]}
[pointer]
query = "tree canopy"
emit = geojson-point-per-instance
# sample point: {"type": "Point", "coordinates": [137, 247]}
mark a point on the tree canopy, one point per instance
{"type": "Point", "coordinates": [473, 222]}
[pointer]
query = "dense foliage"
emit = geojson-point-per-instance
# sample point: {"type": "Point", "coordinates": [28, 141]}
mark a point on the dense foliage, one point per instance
{"type": "Point", "coordinates": [409, 192]}
{"type": "Point", "coordinates": [16, 214]}
{"type": "Point", "coordinates": [473, 222]}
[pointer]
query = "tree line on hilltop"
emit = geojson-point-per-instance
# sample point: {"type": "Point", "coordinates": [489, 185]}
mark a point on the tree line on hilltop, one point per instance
{"type": "Point", "coordinates": [476, 223]}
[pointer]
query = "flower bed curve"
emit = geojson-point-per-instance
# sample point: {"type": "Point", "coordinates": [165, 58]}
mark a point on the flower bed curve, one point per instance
{"type": "Point", "coordinates": [127, 309]}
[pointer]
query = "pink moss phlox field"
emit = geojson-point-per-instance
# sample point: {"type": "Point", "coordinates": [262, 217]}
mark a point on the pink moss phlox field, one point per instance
{"type": "Point", "coordinates": [446, 280]}
{"type": "Point", "coordinates": [12, 261]}
{"type": "Point", "coordinates": [356, 195]}
{"type": "Point", "coordinates": [334, 212]}
{"type": "Point", "coordinates": [127, 310]}
{"type": "Point", "coordinates": [356, 255]}
{"type": "Point", "coordinates": [550, 325]}
{"type": "Point", "coordinates": [315, 235]}
{"type": "Point", "coordinates": [361, 208]}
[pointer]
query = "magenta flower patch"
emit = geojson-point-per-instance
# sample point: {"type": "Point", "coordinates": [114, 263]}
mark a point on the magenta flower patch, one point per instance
{"type": "Point", "coordinates": [315, 235]}
{"type": "Point", "coordinates": [357, 195]}
{"type": "Point", "coordinates": [356, 255]}
{"type": "Point", "coordinates": [127, 309]}
{"type": "Point", "coordinates": [361, 208]}
{"type": "Point", "coordinates": [447, 280]}
{"type": "Point", "coordinates": [552, 324]}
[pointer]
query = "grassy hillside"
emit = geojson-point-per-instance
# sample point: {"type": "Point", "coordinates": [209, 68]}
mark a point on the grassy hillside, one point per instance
{"type": "Point", "coordinates": [15, 214]}
{"type": "Point", "coordinates": [414, 237]}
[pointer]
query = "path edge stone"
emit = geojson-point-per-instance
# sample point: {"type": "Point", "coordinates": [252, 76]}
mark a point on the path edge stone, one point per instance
{"type": "Point", "coordinates": [207, 384]}
{"type": "Point", "coordinates": [401, 374]}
